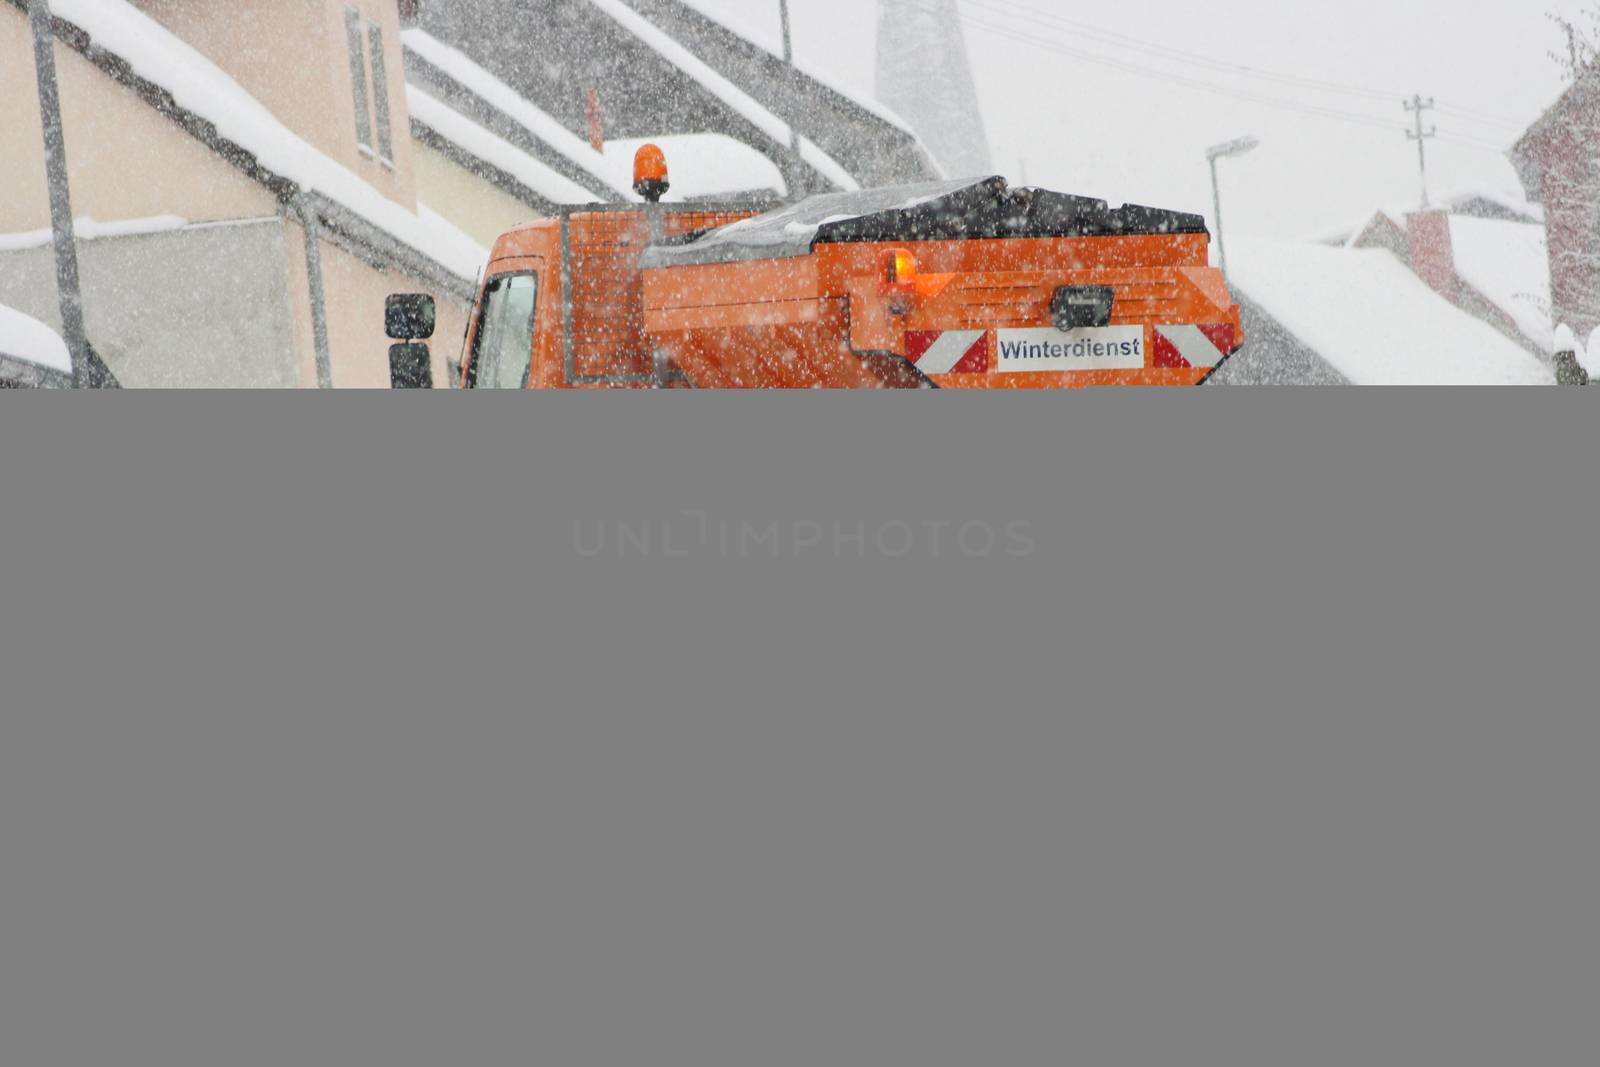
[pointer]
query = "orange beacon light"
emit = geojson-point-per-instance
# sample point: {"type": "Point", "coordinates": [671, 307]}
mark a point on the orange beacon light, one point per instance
{"type": "Point", "coordinates": [650, 177]}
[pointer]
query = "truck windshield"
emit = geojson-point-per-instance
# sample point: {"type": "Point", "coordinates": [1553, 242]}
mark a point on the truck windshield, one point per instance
{"type": "Point", "coordinates": [503, 353]}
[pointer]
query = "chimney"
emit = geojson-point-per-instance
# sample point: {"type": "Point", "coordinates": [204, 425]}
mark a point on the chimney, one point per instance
{"type": "Point", "coordinates": [597, 122]}
{"type": "Point", "coordinates": [1433, 256]}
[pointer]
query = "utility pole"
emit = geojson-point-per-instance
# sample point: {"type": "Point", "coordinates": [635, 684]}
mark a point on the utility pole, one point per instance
{"type": "Point", "coordinates": [68, 288]}
{"type": "Point", "coordinates": [1419, 106]}
{"type": "Point", "coordinates": [796, 162]}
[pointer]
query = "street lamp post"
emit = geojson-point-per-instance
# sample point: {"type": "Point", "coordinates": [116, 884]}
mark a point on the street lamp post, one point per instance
{"type": "Point", "coordinates": [69, 291]}
{"type": "Point", "coordinates": [1242, 146]}
{"type": "Point", "coordinates": [796, 164]}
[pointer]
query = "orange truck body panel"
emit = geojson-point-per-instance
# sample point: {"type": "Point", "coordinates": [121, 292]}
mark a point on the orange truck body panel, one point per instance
{"type": "Point", "coordinates": [832, 319]}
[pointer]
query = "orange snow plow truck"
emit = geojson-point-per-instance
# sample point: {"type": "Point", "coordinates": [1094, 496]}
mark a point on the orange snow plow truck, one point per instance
{"type": "Point", "coordinates": [955, 285]}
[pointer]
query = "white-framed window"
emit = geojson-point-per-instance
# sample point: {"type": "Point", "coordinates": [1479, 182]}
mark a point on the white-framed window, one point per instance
{"type": "Point", "coordinates": [380, 93]}
{"type": "Point", "coordinates": [369, 85]}
{"type": "Point", "coordinates": [355, 41]}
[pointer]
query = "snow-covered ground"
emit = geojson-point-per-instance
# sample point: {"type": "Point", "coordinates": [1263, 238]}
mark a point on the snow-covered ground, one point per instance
{"type": "Point", "coordinates": [31, 341]}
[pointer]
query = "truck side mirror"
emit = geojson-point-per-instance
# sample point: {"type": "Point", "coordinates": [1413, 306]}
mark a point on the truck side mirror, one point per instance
{"type": "Point", "coordinates": [409, 316]}
{"type": "Point", "coordinates": [410, 367]}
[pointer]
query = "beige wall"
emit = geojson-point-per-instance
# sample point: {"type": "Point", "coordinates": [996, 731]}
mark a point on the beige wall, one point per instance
{"type": "Point", "coordinates": [474, 205]}
{"type": "Point", "coordinates": [292, 56]}
{"type": "Point", "coordinates": [227, 306]}
{"type": "Point", "coordinates": [202, 307]}
{"type": "Point", "coordinates": [356, 339]}
{"type": "Point", "coordinates": [126, 161]}
{"type": "Point", "coordinates": [355, 294]}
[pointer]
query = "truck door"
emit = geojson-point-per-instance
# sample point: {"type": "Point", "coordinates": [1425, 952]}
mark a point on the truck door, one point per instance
{"type": "Point", "coordinates": [502, 347]}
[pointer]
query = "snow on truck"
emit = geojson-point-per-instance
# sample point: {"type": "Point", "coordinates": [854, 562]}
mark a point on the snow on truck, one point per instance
{"type": "Point", "coordinates": [956, 285]}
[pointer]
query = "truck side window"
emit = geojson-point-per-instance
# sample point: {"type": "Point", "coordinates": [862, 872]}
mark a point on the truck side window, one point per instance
{"type": "Point", "coordinates": [502, 355]}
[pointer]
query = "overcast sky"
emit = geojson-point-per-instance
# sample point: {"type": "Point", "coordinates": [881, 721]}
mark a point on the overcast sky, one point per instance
{"type": "Point", "coordinates": [1080, 126]}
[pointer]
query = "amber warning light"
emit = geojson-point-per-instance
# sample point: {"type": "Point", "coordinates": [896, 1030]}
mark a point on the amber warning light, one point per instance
{"type": "Point", "coordinates": [650, 177]}
{"type": "Point", "coordinates": [902, 266]}
{"type": "Point", "coordinates": [900, 274]}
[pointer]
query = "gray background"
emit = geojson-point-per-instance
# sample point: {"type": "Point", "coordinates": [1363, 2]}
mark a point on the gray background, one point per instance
{"type": "Point", "coordinates": [320, 742]}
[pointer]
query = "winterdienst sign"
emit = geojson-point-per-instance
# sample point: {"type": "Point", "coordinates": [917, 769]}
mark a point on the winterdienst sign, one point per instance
{"type": "Point", "coordinates": [1093, 348]}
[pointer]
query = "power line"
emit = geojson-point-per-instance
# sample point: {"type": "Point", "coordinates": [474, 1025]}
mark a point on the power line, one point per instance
{"type": "Point", "coordinates": [1470, 141]}
{"type": "Point", "coordinates": [1137, 44]}
{"type": "Point", "coordinates": [1014, 10]}
{"type": "Point", "coordinates": [1511, 125]}
{"type": "Point", "coordinates": [1185, 80]}
{"type": "Point", "coordinates": [1235, 92]}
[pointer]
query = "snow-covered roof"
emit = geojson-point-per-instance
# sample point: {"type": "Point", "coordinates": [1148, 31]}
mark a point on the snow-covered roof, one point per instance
{"type": "Point", "coordinates": [724, 90]}
{"type": "Point", "coordinates": [1466, 202]}
{"type": "Point", "coordinates": [1459, 200]}
{"type": "Point", "coordinates": [703, 165]}
{"type": "Point", "coordinates": [494, 150]}
{"type": "Point", "coordinates": [199, 86]}
{"type": "Point", "coordinates": [1584, 83]}
{"type": "Point", "coordinates": [744, 26]}
{"type": "Point", "coordinates": [512, 104]}
{"type": "Point", "coordinates": [1508, 264]}
{"type": "Point", "coordinates": [1499, 246]}
{"type": "Point", "coordinates": [1377, 218]}
{"type": "Point", "coordinates": [30, 341]}
{"type": "Point", "coordinates": [1374, 321]}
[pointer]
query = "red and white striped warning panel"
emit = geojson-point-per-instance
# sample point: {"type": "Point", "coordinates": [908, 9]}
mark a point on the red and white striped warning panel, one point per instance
{"type": "Point", "coordinates": [949, 351]}
{"type": "Point", "coordinates": [1192, 346]}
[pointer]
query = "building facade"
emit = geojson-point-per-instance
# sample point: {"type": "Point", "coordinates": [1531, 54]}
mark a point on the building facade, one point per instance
{"type": "Point", "coordinates": [244, 179]}
{"type": "Point", "coordinates": [1559, 166]}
